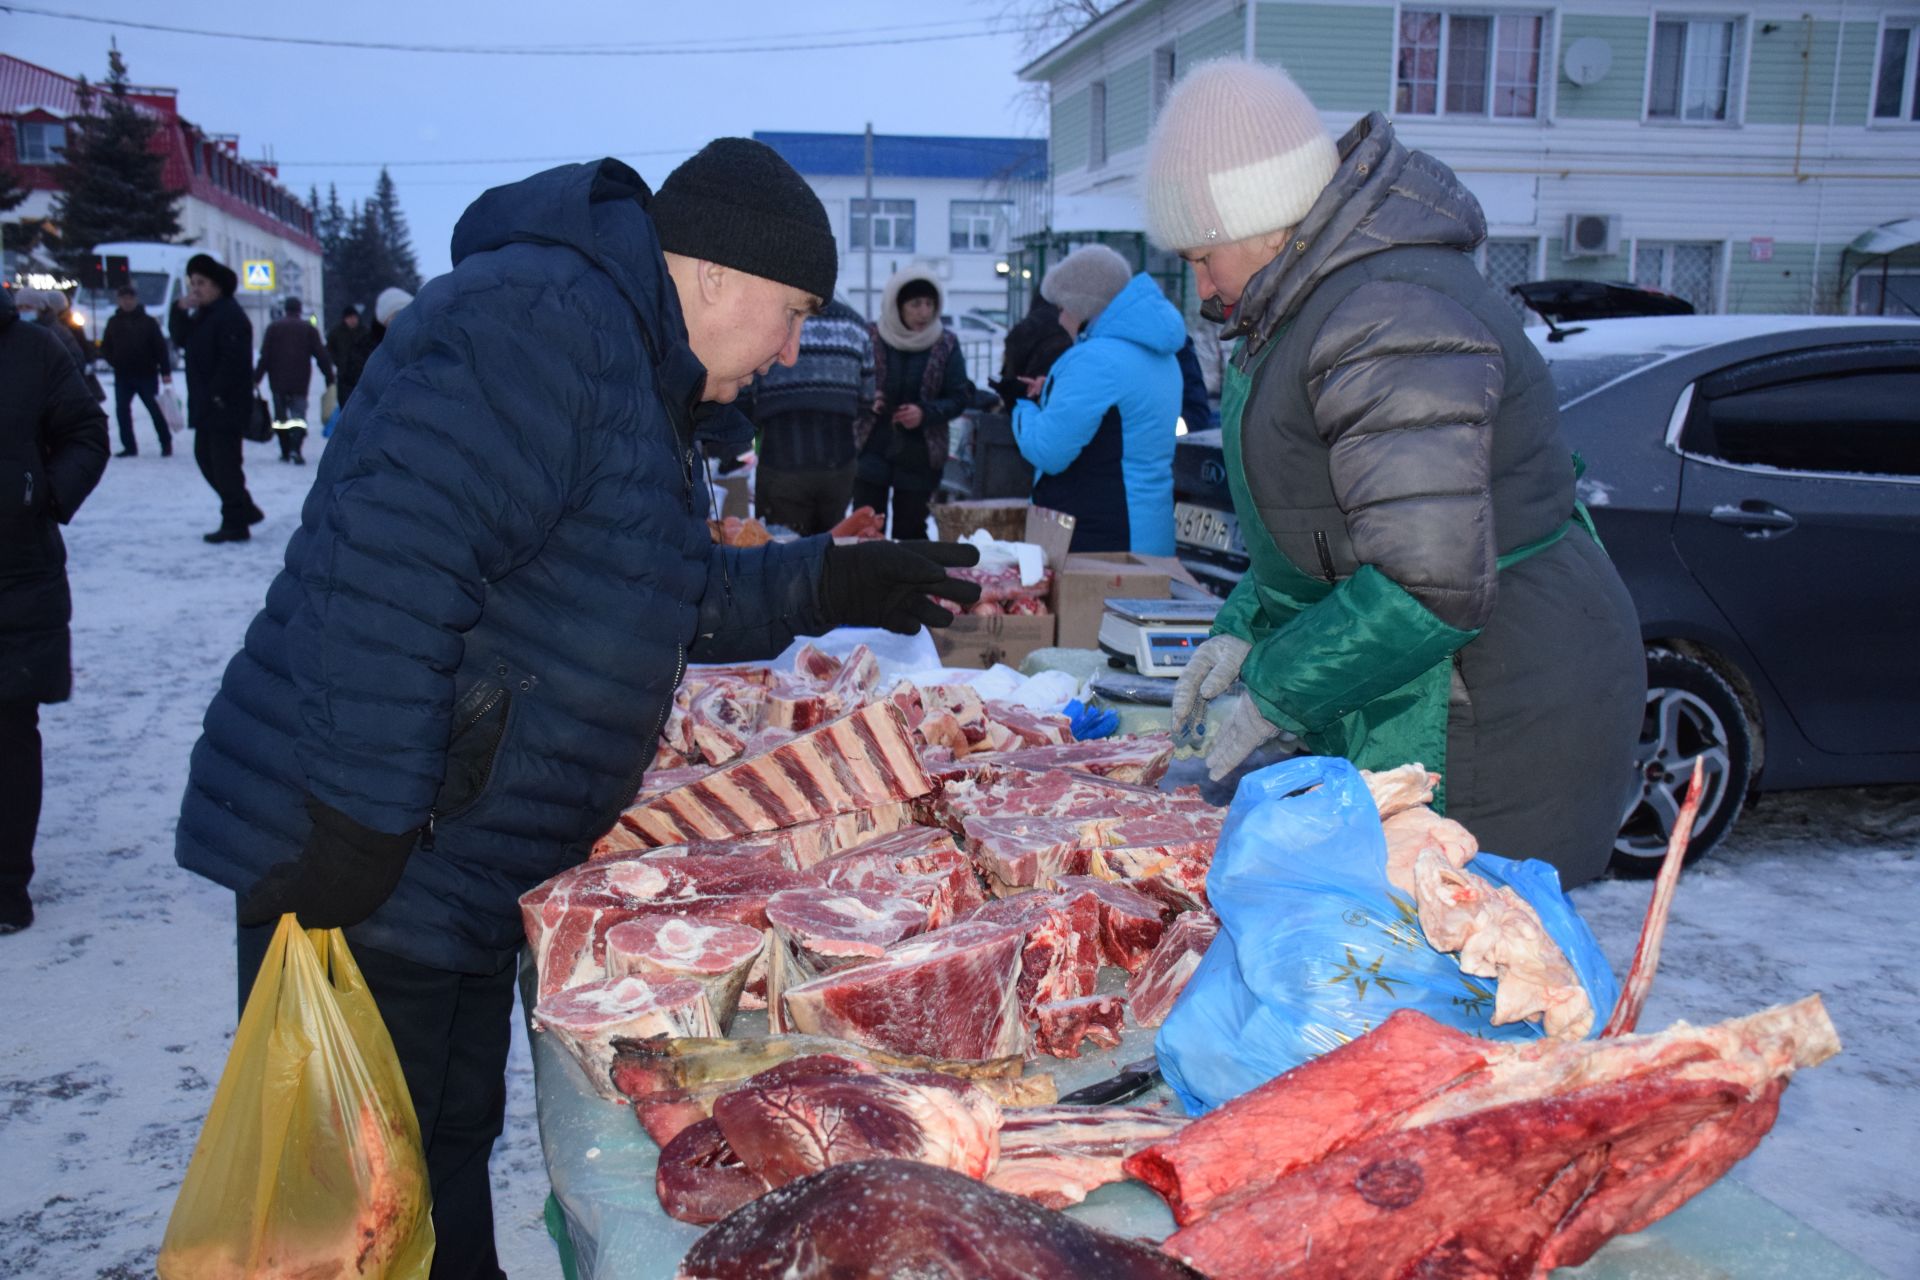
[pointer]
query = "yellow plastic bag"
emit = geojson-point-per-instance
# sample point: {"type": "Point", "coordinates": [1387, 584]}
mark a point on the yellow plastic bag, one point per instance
{"type": "Point", "coordinates": [329, 401]}
{"type": "Point", "coordinates": [310, 1164]}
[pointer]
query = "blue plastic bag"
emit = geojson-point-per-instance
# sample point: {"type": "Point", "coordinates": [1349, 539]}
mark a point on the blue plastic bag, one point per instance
{"type": "Point", "coordinates": [332, 420]}
{"type": "Point", "coordinates": [1316, 948]}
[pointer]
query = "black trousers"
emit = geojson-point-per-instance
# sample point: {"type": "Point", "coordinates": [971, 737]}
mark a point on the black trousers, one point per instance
{"type": "Point", "coordinates": [807, 502]}
{"type": "Point", "coordinates": [19, 805]}
{"type": "Point", "coordinates": [218, 452]}
{"type": "Point", "coordinates": [909, 506]}
{"type": "Point", "coordinates": [147, 386]}
{"type": "Point", "coordinates": [288, 405]}
{"type": "Point", "coordinates": [451, 1032]}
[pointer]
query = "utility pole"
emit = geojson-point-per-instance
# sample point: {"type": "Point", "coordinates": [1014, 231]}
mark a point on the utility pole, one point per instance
{"type": "Point", "coordinates": [869, 290]}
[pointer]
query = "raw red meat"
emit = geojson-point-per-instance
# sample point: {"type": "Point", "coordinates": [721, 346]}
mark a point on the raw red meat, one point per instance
{"type": "Point", "coordinates": [567, 917]}
{"type": "Point", "coordinates": [857, 679]}
{"type": "Point", "coordinates": [796, 704]}
{"type": "Point", "coordinates": [1530, 1164]}
{"type": "Point", "coordinates": [1131, 923]}
{"type": "Point", "coordinates": [1143, 759]}
{"type": "Point", "coordinates": [1003, 584]}
{"type": "Point", "coordinates": [942, 730]}
{"type": "Point", "coordinates": [699, 1179]}
{"type": "Point", "coordinates": [1152, 991]}
{"type": "Point", "coordinates": [664, 758]}
{"type": "Point", "coordinates": [717, 954]}
{"type": "Point", "coordinates": [901, 1218]}
{"type": "Point", "coordinates": [1055, 1155]}
{"type": "Point", "coordinates": [723, 715]}
{"type": "Point", "coordinates": [1028, 605]}
{"type": "Point", "coordinates": [961, 702]}
{"type": "Point", "coordinates": [806, 844]}
{"type": "Point", "coordinates": [905, 695]}
{"type": "Point", "coordinates": [1092, 801]}
{"type": "Point", "coordinates": [1029, 728]}
{"type": "Point", "coordinates": [921, 863]}
{"type": "Point", "coordinates": [950, 994]}
{"type": "Point", "coordinates": [805, 1121]}
{"type": "Point", "coordinates": [586, 1019]}
{"type": "Point", "coordinates": [815, 665]}
{"type": "Point", "coordinates": [1013, 852]}
{"type": "Point", "coordinates": [862, 759]}
{"type": "Point", "coordinates": [1060, 1026]}
{"type": "Point", "coordinates": [819, 930]}
{"type": "Point", "coordinates": [1061, 956]}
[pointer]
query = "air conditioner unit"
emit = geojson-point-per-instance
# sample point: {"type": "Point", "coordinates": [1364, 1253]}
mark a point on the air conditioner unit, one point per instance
{"type": "Point", "coordinates": [1591, 235]}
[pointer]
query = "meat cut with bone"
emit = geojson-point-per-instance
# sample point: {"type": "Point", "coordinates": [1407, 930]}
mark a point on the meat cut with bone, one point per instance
{"type": "Point", "coordinates": [587, 1019]}
{"type": "Point", "coordinates": [949, 994]}
{"type": "Point", "coordinates": [1061, 956]}
{"type": "Point", "coordinates": [864, 758]}
{"type": "Point", "coordinates": [921, 863]}
{"type": "Point", "coordinates": [717, 954]}
{"type": "Point", "coordinates": [1055, 1155]}
{"type": "Point", "coordinates": [1152, 991]}
{"type": "Point", "coordinates": [1131, 922]}
{"type": "Point", "coordinates": [819, 930]}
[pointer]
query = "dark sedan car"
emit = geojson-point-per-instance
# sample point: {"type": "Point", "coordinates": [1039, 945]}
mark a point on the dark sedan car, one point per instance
{"type": "Point", "coordinates": [1757, 480]}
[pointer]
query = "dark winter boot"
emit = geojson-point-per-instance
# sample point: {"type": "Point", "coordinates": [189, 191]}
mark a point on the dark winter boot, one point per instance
{"type": "Point", "coordinates": [224, 534]}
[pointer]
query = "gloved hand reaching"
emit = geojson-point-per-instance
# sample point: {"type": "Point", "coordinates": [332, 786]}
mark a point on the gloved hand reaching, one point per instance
{"type": "Point", "coordinates": [886, 584]}
{"type": "Point", "coordinates": [1214, 665]}
{"type": "Point", "coordinates": [343, 874]}
{"type": "Point", "coordinates": [1245, 728]}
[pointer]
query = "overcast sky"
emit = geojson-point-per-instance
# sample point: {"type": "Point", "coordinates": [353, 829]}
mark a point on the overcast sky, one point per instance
{"type": "Point", "coordinates": [453, 125]}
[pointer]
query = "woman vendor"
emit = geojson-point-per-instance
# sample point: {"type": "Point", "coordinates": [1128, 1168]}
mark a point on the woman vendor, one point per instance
{"type": "Point", "coordinates": [1424, 586]}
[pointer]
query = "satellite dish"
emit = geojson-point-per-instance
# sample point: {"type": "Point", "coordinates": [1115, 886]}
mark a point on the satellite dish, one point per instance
{"type": "Point", "coordinates": [1587, 60]}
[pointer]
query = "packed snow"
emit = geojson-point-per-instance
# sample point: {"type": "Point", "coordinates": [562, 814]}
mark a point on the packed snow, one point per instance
{"type": "Point", "coordinates": [121, 996]}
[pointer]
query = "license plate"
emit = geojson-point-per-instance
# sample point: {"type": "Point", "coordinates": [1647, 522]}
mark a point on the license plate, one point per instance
{"type": "Point", "coordinates": [1204, 527]}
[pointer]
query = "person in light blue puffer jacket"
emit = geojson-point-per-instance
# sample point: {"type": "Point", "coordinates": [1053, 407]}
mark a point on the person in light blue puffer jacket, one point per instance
{"type": "Point", "coordinates": [1101, 434]}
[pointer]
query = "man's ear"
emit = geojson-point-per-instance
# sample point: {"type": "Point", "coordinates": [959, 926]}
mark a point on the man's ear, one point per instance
{"type": "Point", "coordinates": [715, 280]}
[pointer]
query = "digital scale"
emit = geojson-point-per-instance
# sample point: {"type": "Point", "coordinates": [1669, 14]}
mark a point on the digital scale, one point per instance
{"type": "Point", "coordinates": [1156, 637]}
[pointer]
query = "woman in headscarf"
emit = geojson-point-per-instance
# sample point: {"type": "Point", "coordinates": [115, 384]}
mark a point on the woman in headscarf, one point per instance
{"type": "Point", "coordinates": [920, 385]}
{"type": "Point", "coordinates": [1424, 586]}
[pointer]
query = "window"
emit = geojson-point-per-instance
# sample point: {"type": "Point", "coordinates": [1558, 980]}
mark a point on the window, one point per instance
{"type": "Point", "coordinates": [892, 224]}
{"type": "Point", "coordinates": [42, 142]}
{"type": "Point", "coordinates": [1689, 271]}
{"type": "Point", "coordinates": [1895, 96]}
{"type": "Point", "coordinates": [1692, 76]}
{"type": "Point", "coordinates": [1163, 76]}
{"type": "Point", "coordinates": [1892, 293]}
{"type": "Point", "coordinates": [1505, 263]}
{"type": "Point", "coordinates": [1469, 64]}
{"type": "Point", "coordinates": [978, 226]}
{"type": "Point", "coordinates": [1097, 125]}
{"type": "Point", "coordinates": [1854, 421]}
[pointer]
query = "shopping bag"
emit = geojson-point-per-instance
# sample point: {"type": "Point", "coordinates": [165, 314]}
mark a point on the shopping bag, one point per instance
{"type": "Point", "coordinates": [310, 1160]}
{"type": "Point", "coordinates": [259, 424]}
{"type": "Point", "coordinates": [1317, 948]}
{"type": "Point", "coordinates": [329, 401]}
{"type": "Point", "coordinates": [171, 411]}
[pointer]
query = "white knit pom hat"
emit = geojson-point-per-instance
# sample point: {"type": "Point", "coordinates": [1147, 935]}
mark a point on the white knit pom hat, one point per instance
{"type": "Point", "coordinates": [1239, 151]}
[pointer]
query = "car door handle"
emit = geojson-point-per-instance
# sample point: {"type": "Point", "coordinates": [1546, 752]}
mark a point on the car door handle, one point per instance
{"type": "Point", "coordinates": [1759, 519]}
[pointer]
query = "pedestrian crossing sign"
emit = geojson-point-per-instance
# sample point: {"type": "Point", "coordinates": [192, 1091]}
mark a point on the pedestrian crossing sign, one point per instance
{"type": "Point", "coordinates": [257, 273]}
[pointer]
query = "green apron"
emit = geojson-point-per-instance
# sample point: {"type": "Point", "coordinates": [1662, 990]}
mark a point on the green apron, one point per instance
{"type": "Point", "coordinates": [1377, 674]}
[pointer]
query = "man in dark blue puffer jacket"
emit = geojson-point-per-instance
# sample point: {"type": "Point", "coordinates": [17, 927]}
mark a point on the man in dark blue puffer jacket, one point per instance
{"type": "Point", "coordinates": [499, 577]}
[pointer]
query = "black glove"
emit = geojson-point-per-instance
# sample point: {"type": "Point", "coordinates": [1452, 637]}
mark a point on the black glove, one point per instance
{"type": "Point", "coordinates": [886, 584]}
{"type": "Point", "coordinates": [341, 877]}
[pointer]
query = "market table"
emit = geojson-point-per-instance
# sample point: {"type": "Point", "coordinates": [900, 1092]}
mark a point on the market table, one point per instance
{"type": "Point", "coordinates": [601, 1164]}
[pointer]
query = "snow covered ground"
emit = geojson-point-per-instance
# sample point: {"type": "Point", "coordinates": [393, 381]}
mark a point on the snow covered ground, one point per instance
{"type": "Point", "coordinates": [120, 999]}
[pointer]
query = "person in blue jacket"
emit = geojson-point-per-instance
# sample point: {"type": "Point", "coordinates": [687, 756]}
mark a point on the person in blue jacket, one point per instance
{"type": "Point", "coordinates": [500, 575]}
{"type": "Point", "coordinates": [1101, 434]}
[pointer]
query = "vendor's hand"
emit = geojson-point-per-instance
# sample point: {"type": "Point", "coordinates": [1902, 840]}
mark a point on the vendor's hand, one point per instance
{"type": "Point", "coordinates": [865, 522]}
{"type": "Point", "coordinates": [909, 416]}
{"type": "Point", "coordinates": [887, 584]}
{"type": "Point", "coordinates": [1033, 385]}
{"type": "Point", "coordinates": [343, 874]}
{"type": "Point", "coordinates": [1245, 728]}
{"type": "Point", "coordinates": [1214, 665]}
{"type": "Point", "coordinates": [879, 405]}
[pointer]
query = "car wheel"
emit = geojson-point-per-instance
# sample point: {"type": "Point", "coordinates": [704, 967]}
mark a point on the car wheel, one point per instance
{"type": "Point", "coordinates": [1692, 714]}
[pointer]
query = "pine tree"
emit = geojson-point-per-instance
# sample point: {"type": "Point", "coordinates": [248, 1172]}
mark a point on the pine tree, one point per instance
{"type": "Point", "coordinates": [12, 190]}
{"type": "Point", "coordinates": [366, 267]}
{"type": "Point", "coordinates": [396, 241]}
{"type": "Point", "coordinates": [111, 178]}
{"type": "Point", "coordinates": [330, 226]}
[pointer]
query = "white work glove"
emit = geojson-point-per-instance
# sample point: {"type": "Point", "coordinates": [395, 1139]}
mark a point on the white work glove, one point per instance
{"type": "Point", "coordinates": [1214, 666]}
{"type": "Point", "coordinates": [1245, 728]}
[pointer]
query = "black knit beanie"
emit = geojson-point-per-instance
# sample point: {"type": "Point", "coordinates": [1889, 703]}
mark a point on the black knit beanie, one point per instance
{"type": "Point", "coordinates": [738, 203]}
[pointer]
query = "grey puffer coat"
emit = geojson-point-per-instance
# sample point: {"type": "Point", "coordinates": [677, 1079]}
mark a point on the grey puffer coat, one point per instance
{"type": "Point", "coordinates": [1403, 420]}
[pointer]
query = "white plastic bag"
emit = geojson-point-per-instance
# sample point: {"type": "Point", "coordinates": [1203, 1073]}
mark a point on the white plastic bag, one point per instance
{"type": "Point", "coordinates": [170, 410]}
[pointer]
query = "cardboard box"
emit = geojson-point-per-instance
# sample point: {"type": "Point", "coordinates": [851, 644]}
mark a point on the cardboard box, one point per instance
{"type": "Point", "coordinates": [1086, 580]}
{"type": "Point", "coordinates": [736, 495]}
{"type": "Point", "coordinates": [974, 641]}
{"type": "Point", "coordinates": [1004, 518]}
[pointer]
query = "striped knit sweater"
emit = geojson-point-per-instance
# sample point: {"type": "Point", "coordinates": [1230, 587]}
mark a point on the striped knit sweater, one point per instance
{"type": "Point", "coordinates": [805, 414]}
